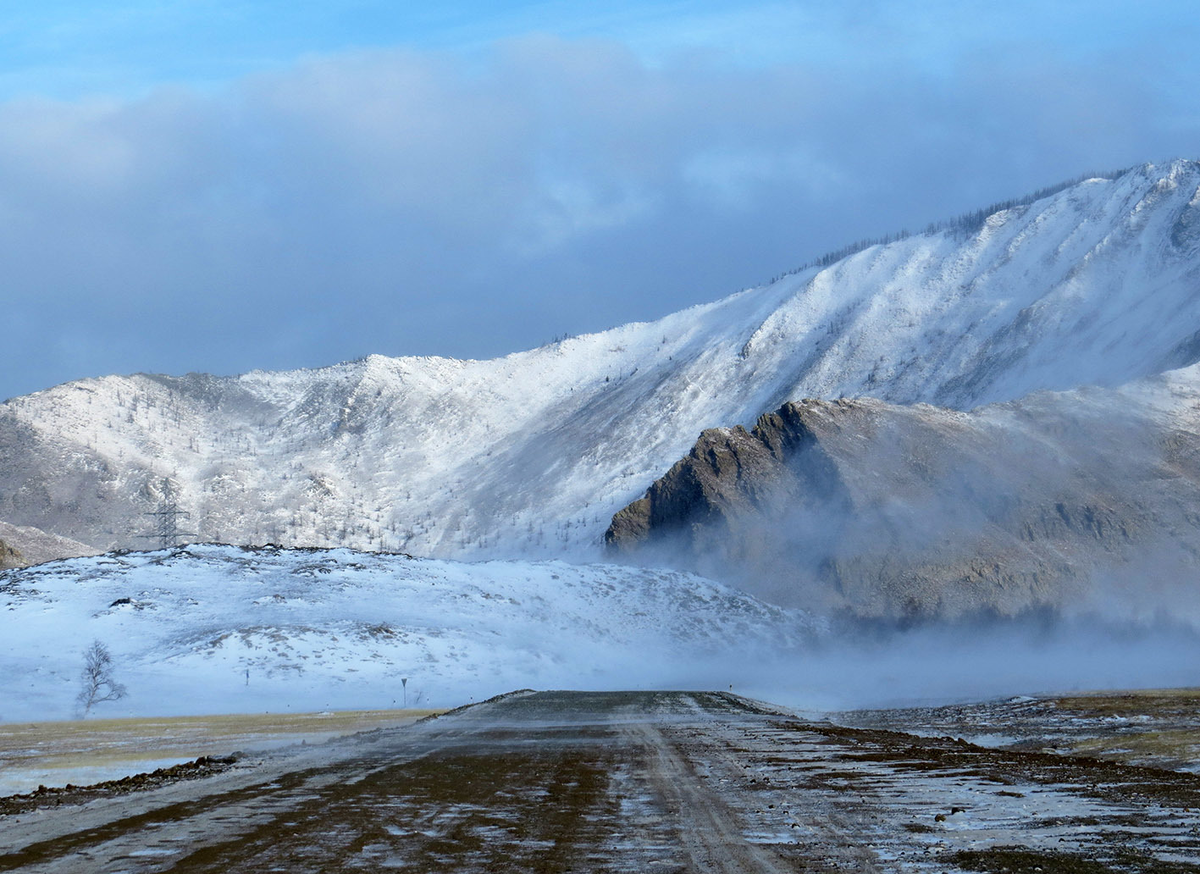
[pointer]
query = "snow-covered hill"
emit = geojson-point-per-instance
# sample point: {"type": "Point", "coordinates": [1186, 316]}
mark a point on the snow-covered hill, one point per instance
{"type": "Point", "coordinates": [532, 453]}
{"type": "Point", "coordinates": [216, 629]}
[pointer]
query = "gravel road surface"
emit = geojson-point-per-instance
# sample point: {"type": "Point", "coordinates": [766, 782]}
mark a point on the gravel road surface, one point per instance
{"type": "Point", "coordinates": [630, 782]}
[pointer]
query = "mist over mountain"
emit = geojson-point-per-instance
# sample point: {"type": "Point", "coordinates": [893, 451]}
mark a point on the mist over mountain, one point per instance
{"type": "Point", "coordinates": [531, 454]}
{"type": "Point", "coordinates": [1060, 500]}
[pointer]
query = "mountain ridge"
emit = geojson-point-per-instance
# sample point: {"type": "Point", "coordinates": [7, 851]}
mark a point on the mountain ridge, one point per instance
{"type": "Point", "coordinates": [532, 453]}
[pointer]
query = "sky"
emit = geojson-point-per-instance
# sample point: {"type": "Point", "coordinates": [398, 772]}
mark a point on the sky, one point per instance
{"type": "Point", "coordinates": [229, 185]}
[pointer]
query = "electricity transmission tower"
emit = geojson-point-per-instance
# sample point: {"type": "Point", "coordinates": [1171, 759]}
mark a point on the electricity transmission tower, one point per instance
{"type": "Point", "coordinates": [166, 518]}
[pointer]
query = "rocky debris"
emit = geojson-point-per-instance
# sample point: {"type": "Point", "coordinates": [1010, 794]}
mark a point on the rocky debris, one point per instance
{"type": "Point", "coordinates": [46, 796]}
{"type": "Point", "coordinates": [916, 512]}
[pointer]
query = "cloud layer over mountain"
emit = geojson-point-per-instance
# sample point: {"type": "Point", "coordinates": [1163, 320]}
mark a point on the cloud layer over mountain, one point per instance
{"type": "Point", "coordinates": [423, 202]}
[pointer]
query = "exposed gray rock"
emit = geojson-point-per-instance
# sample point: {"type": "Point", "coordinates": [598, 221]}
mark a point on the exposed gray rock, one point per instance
{"type": "Point", "coordinates": [11, 557]}
{"type": "Point", "coordinates": [732, 477]}
{"type": "Point", "coordinates": [24, 546]}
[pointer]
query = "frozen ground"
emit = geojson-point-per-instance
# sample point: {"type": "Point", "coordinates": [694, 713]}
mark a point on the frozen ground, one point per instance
{"type": "Point", "coordinates": [214, 629]}
{"type": "Point", "coordinates": [1154, 727]}
{"type": "Point", "coordinates": [623, 782]}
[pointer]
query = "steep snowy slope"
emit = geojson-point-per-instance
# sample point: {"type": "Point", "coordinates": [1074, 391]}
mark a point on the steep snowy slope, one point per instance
{"type": "Point", "coordinates": [532, 453]}
{"type": "Point", "coordinates": [1085, 499]}
{"type": "Point", "coordinates": [222, 629]}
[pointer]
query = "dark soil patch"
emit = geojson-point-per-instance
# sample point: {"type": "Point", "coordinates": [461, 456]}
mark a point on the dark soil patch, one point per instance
{"type": "Point", "coordinates": [507, 811]}
{"type": "Point", "coordinates": [1015, 860]}
{"type": "Point", "coordinates": [1100, 778]}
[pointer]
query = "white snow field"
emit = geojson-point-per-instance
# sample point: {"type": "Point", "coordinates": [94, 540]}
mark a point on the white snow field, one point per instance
{"type": "Point", "coordinates": [221, 629]}
{"type": "Point", "coordinates": [530, 454]}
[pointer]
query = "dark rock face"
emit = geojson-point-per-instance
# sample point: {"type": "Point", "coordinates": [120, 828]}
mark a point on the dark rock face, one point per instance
{"type": "Point", "coordinates": [731, 476]}
{"type": "Point", "coordinates": [913, 512]}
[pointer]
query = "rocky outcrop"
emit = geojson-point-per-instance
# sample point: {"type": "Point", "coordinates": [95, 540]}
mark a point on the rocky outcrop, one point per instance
{"type": "Point", "coordinates": [10, 557]}
{"type": "Point", "coordinates": [1061, 500]}
{"type": "Point", "coordinates": [710, 500]}
{"type": "Point", "coordinates": [24, 546]}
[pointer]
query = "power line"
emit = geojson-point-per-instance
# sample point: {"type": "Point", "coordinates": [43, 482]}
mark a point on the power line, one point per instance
{"type": "Point", "coordinates": [166, 518]}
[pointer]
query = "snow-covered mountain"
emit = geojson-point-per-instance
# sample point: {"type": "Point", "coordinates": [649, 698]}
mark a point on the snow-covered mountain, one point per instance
{"type": "Point", "coordinates": [217, 629]}
{"type": "Point", "coordinates": [531, 454]}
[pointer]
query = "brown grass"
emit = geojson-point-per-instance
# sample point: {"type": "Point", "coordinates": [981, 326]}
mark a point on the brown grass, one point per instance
{"type": "Point", "coordinates": [104, 742]}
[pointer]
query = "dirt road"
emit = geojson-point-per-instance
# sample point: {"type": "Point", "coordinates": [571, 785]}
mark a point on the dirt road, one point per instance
{"type": "Point", "coordinates": [624, 782]}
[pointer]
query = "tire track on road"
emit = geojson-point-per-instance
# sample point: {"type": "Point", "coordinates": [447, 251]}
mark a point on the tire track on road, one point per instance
{"type": "Point", "coordinates": [710, 837]}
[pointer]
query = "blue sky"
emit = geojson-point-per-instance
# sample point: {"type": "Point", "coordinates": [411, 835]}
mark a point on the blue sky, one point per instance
{"type": "Point", "coordinates": [223, 186]}
{"type": "Point", "coordinates": [73, 47]}
{"type": "Point", "coordinates": [80, 47]}
{"type": "Point", "coordinates": [66, 49]}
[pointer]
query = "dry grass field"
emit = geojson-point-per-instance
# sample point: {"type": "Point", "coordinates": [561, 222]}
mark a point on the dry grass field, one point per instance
{"type": "Point", "coordinates": [95, 750]}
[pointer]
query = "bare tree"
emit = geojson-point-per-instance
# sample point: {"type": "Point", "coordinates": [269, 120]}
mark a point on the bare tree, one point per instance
{"type": "Point", "coordinates": [97, 679]}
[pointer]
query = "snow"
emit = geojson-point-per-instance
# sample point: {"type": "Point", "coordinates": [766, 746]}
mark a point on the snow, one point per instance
{"type": "Point", "coordinates": [338, 629]}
